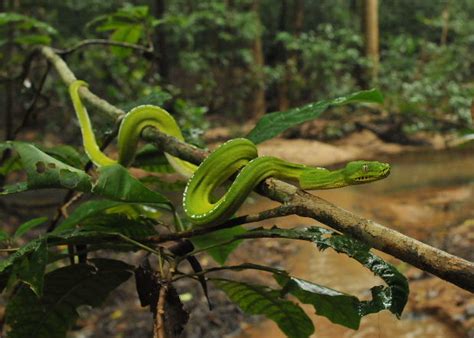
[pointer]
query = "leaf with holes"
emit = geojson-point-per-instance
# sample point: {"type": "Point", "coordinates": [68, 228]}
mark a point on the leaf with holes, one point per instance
{"type": "Point", "coordinates": [393, 297]}
{"type": "Point", "coordinates": [65, 289]}
{"type": "Point", "coordinates": [338, 307]}
{"type": "Point", "coordinates": [270, 125]}
{"type": "Point", "coordinates": [44, 171]}
{"type": "Point", "coordinates": [261, 300]}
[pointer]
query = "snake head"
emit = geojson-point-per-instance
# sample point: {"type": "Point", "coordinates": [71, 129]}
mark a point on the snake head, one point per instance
{"type": "Point", "coordinates": [358, 172]}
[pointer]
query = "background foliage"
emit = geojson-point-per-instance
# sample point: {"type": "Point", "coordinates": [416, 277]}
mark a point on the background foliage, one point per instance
{"type": "Point", "coordinates": [204, 53]}
{"type": "Point", "coordinates": [202, 61]}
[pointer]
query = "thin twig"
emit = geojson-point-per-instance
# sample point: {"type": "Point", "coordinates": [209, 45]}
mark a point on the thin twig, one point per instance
{"type": "Point", "coordinates": [94, 42]}
{"type": "Point", "coordinates": [159, 329]}
{"type": "Point", "coordinates": [31, 107]}
{"type": "Point", "coordinates": [239, 267]}
{"type": "Point", "coordinates": [282, 210]}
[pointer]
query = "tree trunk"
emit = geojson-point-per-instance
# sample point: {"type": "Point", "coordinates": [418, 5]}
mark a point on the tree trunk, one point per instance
{"type": "Point", "coordinates": [282, 85]}
{"type": "Point", "coordinates": [8, 118]}
{"type": "Point", "coordinates": [160, 41]}
{"type": "Point", "coordinates": [371, 33]}
{"type": "Point", "coordinates": [445, 18]}
{"type": "Point", "coordinates": [292, 59]}
{"type": "Point", "coordinates": [258, 101]}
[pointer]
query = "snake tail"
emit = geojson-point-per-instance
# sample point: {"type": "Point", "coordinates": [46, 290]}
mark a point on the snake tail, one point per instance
{"type": "Point", "coordinates": [130, 129]}
{"type": "Point", "coordinates": [91, 147]}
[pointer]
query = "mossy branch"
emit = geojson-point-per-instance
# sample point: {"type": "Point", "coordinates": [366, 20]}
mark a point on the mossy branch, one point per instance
{"type": "Point", "coordinates": [440, 263]}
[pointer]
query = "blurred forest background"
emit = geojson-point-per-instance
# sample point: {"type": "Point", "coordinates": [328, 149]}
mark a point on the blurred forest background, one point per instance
{"type": "Point", "coordinates": [214, 63]}
{"type": "Point", "coordinates": [234, 60]}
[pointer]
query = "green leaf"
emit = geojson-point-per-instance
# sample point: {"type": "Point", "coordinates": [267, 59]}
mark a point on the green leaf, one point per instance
{"type": "Point", "coordinates": [13, 188]}
{"type": "Point", "coordinates": [109, 240]}
{"type": "Point", "coordinates": [270, 125]}
{"type": "Point", "coordinates": [338, 307]}
{"type": "Point", "coordinates": [20, 253]}
{"type": "Point", "coordinates": [152, 159]}
{"type": "Point", "coordinates": [85, 210]}
{"type": "Point", "coordinates": [26, 22]}
{"type": "Point", "coordinates": [393, 297]}
{"type": "Point", "coordinates": [156, 183]}
{"type": "Point", "coordinates": [27, 226]}
{"type": "Point", "coordinates": [44, 171]}
{"type": "Point", "coordinates": [65, 289]}
{"type": "Point", "coordinates": [261, 300]}
{"type": "Point", "coordinates": [219, 241]}
{"type": "Point", "coordinates": [31, 270]}
{"type": "Point", "coordinates": [115, 182]}
{"type": "Point", "coordinates": [27, 265]}
{"type": "Point", "coordinates": [129, 34]}
{"type": "Point", "coordinates": [140, 227]}
{"type": "Point", "coordinates": [68, 155]}
{"type": "Point", "coordinates": [33, 39]}
{"type": "Point", "coordinates": [11, 164]}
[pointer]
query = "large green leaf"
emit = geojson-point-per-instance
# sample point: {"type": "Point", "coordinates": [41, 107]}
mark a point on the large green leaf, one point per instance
{"type": "Point", "coordinates": [33, 39]}
{"type": "Point", "coordinates": [261, 300]}
{"type": "Point", "coordinates": [89, 209]}
{"type": "Point", "coordinates": [115, 182]}
{"type": "Point", "coordinates": [65, 289]}
{"type": "Point", "coordinates": [98, 240]}
{"type": "Point", "coordinates": [44, 171]}
{"type": "Point", "coordinates": [139, 227]}
{"type": "Point", "coordinates": [338, 307]}
{"type": "Point", "coordinates": [25, 22]}
{"type": "Point", "coordinates": [219, 242]}
{"type": "Point", "coordinates": [129, 34]}
{"type": "Point", "coordinates": [270, 125]}
{"type": "Point", "coordinates": [393, 297]}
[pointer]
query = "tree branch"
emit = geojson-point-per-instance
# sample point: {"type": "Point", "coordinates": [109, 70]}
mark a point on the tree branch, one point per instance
{"type": "Point", "coordinates": [94, 42]}
{"type": "Point", "coordinates": [442, 264]}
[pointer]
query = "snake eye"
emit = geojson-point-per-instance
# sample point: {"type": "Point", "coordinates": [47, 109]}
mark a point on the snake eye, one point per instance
{"type": "Point", "coordinates": [365, 168]}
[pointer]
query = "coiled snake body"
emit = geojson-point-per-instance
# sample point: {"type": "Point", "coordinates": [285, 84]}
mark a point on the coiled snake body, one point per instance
{"type": "Point", "coordinates": [237, 155]}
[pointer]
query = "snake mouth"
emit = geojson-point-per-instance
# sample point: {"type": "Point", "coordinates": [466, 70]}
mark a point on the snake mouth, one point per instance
{"type": "Point", "coordinates": [368, 178]}
{"type": "Point", "coordinates": [364, 178]}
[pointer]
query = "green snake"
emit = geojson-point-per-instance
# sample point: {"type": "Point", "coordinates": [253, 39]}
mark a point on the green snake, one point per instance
{"type": "Point", "coordinates": [237, 155]}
